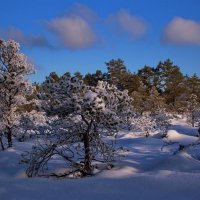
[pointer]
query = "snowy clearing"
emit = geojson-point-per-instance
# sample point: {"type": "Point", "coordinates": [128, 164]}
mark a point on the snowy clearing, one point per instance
{"type": "Point", "coordinates": [146, 169]}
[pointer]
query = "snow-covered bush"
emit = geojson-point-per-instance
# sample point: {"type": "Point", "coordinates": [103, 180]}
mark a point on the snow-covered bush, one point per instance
{"type": "Point", "coordinates": [162, 121]}
{"type": "Point", "coordinates": [144, 123]}
{"type": "Point", "coordinates": [89, 117]}
{"type": "Point", "coordinates": [193, 109]}
{"type": "Point", "coordinates": [30, 124]}
{"type": "Point", "coordinates": [149, 124]}
{"type": "Point", "coordinates": [14, 68]}
{"type": "Point", "coordinates": [193, 118]}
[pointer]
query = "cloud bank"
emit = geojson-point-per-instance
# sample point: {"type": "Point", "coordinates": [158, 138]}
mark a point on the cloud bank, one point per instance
{"type": "Point", "coordinates": [75, 29]}
{"type": "Point", "coordinates": [128, 24]}
{"type": "Point", "coordinates": [73, 32]}
{"type": "Point", "coordinates": [182, 31]}
{"type": "Point", "coordinates": [30, 41]}
{"type": "Point", "coordinates": [82, 11]}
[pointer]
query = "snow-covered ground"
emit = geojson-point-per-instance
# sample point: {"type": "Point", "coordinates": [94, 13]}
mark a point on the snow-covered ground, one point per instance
{"type": "Point", "coordinates": [148, 168]}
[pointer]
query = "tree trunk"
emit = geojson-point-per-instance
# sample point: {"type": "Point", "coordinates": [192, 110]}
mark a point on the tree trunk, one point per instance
{"type": "Point", "coordinates": [2, 146]}
{"type": "Point", "coordinates": [199, 132]}
{"type": "Point", "coordinates": [193, 120]}
{"type": "Point", "coordinates": [9, 136]}
{"type": "Point", "coordinates": [87, 161]}
{"type": "Point", "coordinates": [86, 141]}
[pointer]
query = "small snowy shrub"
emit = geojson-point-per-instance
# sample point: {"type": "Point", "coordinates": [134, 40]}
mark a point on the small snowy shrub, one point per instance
{"type": "Point", "coordinates": [144, 123]}
{"type": "Point", "coordinates": [192, 110]}
{"type": "Point", "coordinates": [162, 121]}
{"type": "Point", "coordinates": [30, 124]}
{"type": "Point", "coordinates": [150, 124]}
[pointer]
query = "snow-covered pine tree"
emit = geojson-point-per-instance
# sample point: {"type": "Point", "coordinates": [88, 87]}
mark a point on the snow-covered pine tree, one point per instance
{"type": "Point", "coordinates": [14, 68]}
{"type": "Point", "coordinates": [89, 116]}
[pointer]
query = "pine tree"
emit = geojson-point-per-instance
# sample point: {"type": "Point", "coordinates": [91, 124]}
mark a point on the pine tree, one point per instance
{"type": "Point", "coordinates": [117, 73]}
{"type": "Point", "coordinates": [92, 79]}
{"type": "Point", "coordinates": [14, 87]}
{"type": "Point", "coordinates": [148, 76]}
{"type": "Point", "coordinates": [139, 98]}
{"type": "Point", "coordinates": [88, 115]}
{"type": "Point", "coordinates": [192, 85]}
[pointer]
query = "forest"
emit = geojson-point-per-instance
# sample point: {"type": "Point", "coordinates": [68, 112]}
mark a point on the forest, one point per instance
{"type": "Point", "coordinates": [78, 117]}
{"type": "Point", "coordinates": [115, 124]}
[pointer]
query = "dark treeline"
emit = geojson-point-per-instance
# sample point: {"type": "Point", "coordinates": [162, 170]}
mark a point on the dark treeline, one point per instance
{"type": "Point", "coordinates": [152, 88]}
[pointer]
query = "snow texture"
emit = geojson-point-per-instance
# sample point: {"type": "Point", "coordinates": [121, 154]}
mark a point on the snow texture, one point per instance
{"type": "Point", "coordinates": [146, 169]}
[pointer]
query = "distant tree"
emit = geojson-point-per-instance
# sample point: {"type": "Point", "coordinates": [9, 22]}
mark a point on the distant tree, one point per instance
{"type": "Point", "coordinates": [117, 73]}
{"type": "Point", "coordinates": [68, 74]}
{"type": "Point", "coordinates": [193, 107]}
{"type": "Point", "coordinates": [132, 82]}
{"type": "Point", "coordinates": [147, 100]}
{"type": "Point", "coordinates": [192, 85]}
{"type": "Point", "coordinates": [14, 87]}
{"type": "Point", "coordinates": [168, 75]}
{"type": "Point", "coordinates": [54, 76]}
{"type": "Point", "coordinates": [92, 79]}
{"type": "Point", "coordinates": [139, 98]}
{"type": "Point", "coordinates": [78, 75]}
{"type": "Point", "coordinates": [170, 82]}
{"type": "Point", "coordinates": [155, 101]}
{"type": "Point", "coordinates": [148, 76]}
{"type": "Point", "coordinates": [181, 104]}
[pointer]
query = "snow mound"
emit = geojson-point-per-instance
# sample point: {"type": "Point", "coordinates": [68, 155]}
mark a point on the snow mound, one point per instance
{"type": "Point", "coordinates": [181, 162]}
{"type": "Point", "coordinates": [174, 136]}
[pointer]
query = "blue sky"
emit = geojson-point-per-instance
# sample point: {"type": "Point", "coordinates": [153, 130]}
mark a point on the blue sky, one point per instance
{"type": "Point", "coordinates": [68, 35]}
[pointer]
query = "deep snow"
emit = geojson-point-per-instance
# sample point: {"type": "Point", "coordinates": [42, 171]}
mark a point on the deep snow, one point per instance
{"type": "Point", "coordinates": [148, 168]}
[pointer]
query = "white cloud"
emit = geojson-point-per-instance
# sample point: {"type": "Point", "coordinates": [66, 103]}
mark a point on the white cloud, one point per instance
{"type": "Point", "coordinates": [73, 32]}
{"type": "Point", "coordinates": [182, 31]}
{"type": "Point", "coordinates": [29, 41]}
{"type": "Point", "coordinates": [131, 25]}
{"type": "Point", "coordinates": [82, 11]}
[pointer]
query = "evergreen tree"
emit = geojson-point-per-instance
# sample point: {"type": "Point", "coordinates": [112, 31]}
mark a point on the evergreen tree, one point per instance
{"type": "Point", "coordinates": [148, 76]}
{"type": "Point", "coordinates": [78, 75]}
{"type": "Point", "coordinates": [170, 81]}
{"type": "Point", "coordinates": [139, 98]}
{"type": "Point", "coordinates": [92, 79]}
{"type": "Point", "coordinates": [132, 82]}
{"type": "Point", "coordinates": [167, 73]}
{"type": "Point", "coordinates": [14, 87]}
{"type": "Point", "coordinates": [155, 101]}
{"type": "Point", "coordinates": [192, 85]}
{"type": "Point", "coordinates": [117, 73]}
{"type": "Point", "coordinates": [88, 114]}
